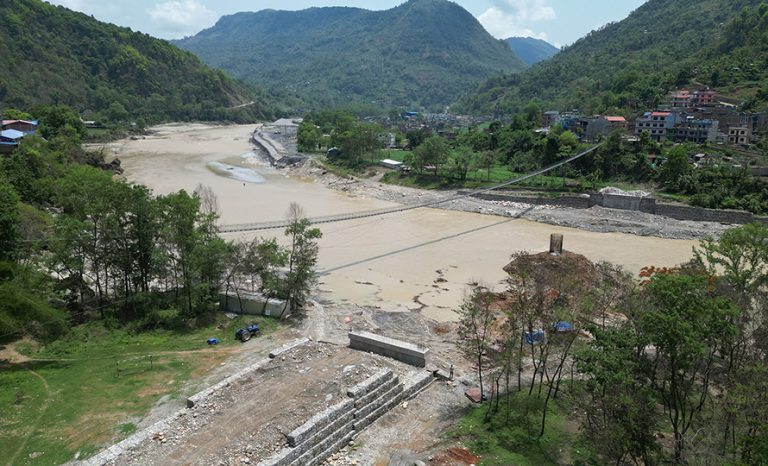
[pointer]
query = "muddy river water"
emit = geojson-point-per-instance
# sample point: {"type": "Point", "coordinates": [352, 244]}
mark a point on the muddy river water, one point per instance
{"type": "Point", "coordinates": [419, 259]}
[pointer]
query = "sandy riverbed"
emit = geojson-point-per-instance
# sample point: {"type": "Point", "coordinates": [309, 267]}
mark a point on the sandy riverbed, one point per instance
{"type": "Point", "coordinates": [393, 261]}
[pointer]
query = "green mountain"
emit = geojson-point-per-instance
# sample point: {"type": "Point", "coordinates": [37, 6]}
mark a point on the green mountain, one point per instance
{"type": "Point", "coordinates": [631, 65]}
{"type": "Point", "coordinates": [52, 55]}
{"type": "Point", "coordinates": [532, 50]}
{"type": "Point", "coordinates": [421, 53]}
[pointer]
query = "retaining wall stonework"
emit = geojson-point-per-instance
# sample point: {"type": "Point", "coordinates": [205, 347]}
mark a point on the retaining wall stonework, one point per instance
{"type": "Point", "coordinates": [370, 384]}
{"type": "Point", "coordinates": [700, 214]}
{"type": "Point", "coordinates": [319, 421]}
{"type": "Point", "coordinates": [326, 433]}
{"type": "Point", "coordinates": [648, 205]}
{"type": "Point", "coordinates": [402, 351]}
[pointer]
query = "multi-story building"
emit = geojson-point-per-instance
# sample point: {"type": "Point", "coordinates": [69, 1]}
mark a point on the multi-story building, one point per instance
{"type": "Point", "coordinates": [656, 124]}
{"type": "Point", "coordinates": [703, 97]}
{"type": "Point", "coordinates": [681, 99]}
{"type": "Point", "coordinates": [741, 135]}
{"type": "Point", "coordinates": [698, 98]}
{"type": "Point", "coordinates": [603, 126]}
{"type": "Point", "coordinates": [690, 129]}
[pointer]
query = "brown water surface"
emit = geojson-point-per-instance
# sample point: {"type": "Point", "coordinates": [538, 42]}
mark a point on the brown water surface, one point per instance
{"type": "Point", "coordinates": [392, 261]}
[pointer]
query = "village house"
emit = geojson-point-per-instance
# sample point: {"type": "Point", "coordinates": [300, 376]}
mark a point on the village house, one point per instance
{"type": "Point", "coordinates": [13, 131]}
{"type": "Point", "coordinates": [26, 127]}
{"type": "Point", "coordinates": [697, 98]}
{"type": "Point", "coordinates": [603, 126]}
{"type": "Point", "coordinates": [739, 135]}
{"type": "Point", "coordinates": [9, 140]}
{"type": "Point", "coordinates": [656, 124]}
{"type": "Point", "coordinates": [688, 128]}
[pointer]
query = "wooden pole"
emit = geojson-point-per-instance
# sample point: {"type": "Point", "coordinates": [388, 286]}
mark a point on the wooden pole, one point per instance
{"type": "Point", "coordinates": [556, 244]}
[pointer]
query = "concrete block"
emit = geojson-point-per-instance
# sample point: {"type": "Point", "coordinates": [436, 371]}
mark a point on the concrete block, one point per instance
{"type": "Point", "coordinates": [369, 384]}
{"type": "Point", "coordinates": [385, 346]}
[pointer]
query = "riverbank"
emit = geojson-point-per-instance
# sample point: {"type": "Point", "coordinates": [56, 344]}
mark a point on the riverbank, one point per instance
{"type": "Point", "coordinates": [419, 260]}
{"type": "Point", "coordinates": [596, 219]}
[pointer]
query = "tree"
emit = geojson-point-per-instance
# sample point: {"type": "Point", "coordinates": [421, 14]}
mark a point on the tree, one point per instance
{"type": "Point", "coordinates": [475, 319]}
{"type": "Point", "coordinates": [621, 415]}
{"type": "Point", "coordinates": [356, 141]}
{"type": "Point", "coordinates": [459, 161]}
{"type": "Point", "coordinates": [432, 152]}
{"type": "Point", "coordinates": [675, 168]}
{"type": "Point", "coordinates": [686, 324]}
{"type": "Point", "coordinates": [300, 277]}
{"type": "Point", "coordinates": [54, 118]}
{"type": "Point", "coordinates": [9, 222]}
{"type": "Point", "coordinates": [308, 136]}
{"type": "Point", "coordinates": [741, 254]}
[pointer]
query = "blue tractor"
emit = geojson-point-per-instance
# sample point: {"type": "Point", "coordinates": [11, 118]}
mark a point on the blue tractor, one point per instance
{"type": "Point", "coordinates": [245, 334]}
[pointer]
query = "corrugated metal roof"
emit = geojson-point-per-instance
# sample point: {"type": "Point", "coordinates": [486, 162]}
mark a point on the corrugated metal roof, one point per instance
{"type": "Point", "coordinates": [12, 134]}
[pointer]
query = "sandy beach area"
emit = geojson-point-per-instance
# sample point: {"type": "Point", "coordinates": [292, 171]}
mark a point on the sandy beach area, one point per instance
{"type": "Point", "coordinates": [421, 259]}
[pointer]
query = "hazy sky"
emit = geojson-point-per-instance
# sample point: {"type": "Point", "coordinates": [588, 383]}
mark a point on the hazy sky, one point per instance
{"type": "Point", "coordinates": [560, 22]}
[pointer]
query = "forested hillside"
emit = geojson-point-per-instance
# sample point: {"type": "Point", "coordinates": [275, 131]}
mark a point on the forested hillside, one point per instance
{"type": "Point", "coordinates": [52, 55]}
{"type": "Point", "coordinates": [422, 53]}
{"type": "Point", "coordinates": [532, 50]}
{"type": "Point", "coordinates": [632, 64]}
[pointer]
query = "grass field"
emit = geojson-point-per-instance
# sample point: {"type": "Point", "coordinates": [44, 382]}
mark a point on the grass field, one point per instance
{"type": "Point", "coordinates": [513, 439]}
{"type": "Point", "coordinates": [92, 387]}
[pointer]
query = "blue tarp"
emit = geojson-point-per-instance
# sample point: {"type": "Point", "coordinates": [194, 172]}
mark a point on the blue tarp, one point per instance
{"type": "Point", "coordinates": [536, 337]}
{"type": "Point", "coordinates": [213, 341]}
{"type": "Point", "coordinates": [562, 326]}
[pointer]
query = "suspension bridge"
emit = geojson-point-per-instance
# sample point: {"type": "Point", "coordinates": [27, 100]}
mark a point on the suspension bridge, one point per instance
{"type": "Point", "coordinates": [279, 224]}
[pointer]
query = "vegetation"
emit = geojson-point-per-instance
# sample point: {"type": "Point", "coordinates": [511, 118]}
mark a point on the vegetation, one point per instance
{"type": "Point", "coordinates": [120, 287]}
{"type": "Point", "coordinates": [110, 74]}
{"type": "Point", "coordinates": [631, 65]}
{"type": "Point", "coordinates": [530, 50]}
{"type": "Point", "coordinates": [423, 53]}
{"type": "Point", "coordinates": [75, 235]}
{"type": "Point", "coordinates": [94, 385]}
{"type": "Point", "coordinates": [673, 377]}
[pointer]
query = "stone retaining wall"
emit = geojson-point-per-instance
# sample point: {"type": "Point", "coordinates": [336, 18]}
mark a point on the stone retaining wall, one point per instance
{"type": "Point", "coordinates": [370, 384]}
{"type": "Point", "coordinates": [648, 205]}
{"type": "Point", "coordinates": [274, 155]}
{"type": "Point", "coordinates": [402, 351]}
{"type": "Point", "coordinates": [319, 421]}
{"type": "Point", "coordinates": [328, 432]}
{"type": "Point", "coordinates": [700, 214]}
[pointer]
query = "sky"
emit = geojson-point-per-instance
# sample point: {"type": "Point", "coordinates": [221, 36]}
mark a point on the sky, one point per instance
{"type": "Point", "coordinates": [560, 22]}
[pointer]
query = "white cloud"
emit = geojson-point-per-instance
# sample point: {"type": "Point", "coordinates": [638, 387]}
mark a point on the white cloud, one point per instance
{"type": "Point", "coordinates": [509, 18]}
{"type": "Point", "coordinates": [181, 18]}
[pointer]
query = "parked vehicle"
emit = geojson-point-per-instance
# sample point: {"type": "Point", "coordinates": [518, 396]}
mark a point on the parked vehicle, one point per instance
{"type": "Point", "coordinates": [245, 334]}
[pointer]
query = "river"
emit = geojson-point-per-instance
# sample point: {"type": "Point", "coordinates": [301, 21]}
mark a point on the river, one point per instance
{"type": "Point", "coordinates": [419, 259]}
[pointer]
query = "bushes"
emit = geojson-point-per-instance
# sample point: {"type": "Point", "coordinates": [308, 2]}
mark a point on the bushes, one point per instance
{"type": "Point", "coordinates": [22, 311]}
